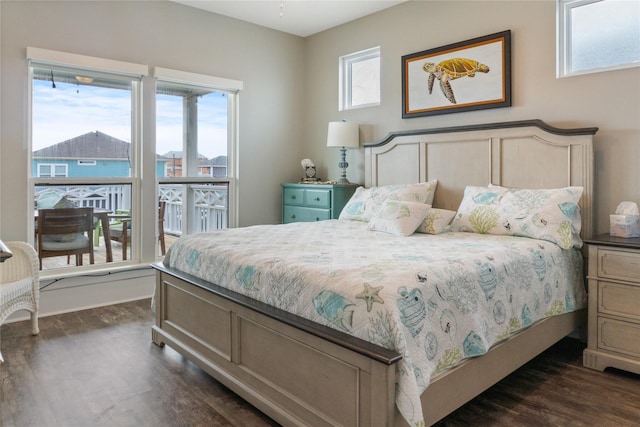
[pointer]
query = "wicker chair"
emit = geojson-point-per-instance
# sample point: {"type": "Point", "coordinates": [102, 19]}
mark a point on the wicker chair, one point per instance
{"type": "Point", "coordinates": [20, 283]}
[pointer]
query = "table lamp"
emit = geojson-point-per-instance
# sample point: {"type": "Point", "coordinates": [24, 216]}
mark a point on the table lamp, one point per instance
{"type": "Point", "coordinates": [344, 135]}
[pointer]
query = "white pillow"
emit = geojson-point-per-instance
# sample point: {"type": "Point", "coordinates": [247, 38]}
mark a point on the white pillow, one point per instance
{"type": "Point", "coordinates": [398, 217]}
{"type": "Point", "coordinates": [366, 202]}
{"type": "Point", "coordinates": [545, 214]}
{"type": "Point", "coordinates": [436, 221]}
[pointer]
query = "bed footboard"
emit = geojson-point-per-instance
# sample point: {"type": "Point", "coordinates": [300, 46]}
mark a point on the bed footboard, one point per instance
{"type": "Point", "coordinates": [295, 372]}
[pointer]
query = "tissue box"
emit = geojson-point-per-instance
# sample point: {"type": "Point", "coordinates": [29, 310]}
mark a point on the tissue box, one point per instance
{"type": "Point", "coordinates": [624, 225]}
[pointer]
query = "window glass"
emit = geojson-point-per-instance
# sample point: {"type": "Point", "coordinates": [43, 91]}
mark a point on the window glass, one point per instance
{"type": "Point", "coordinates": [194, 138]}
{"type": "Point", "coordinates": [360, 79]}
{"type": "Point", "coordinates": [82, 155]}
{"type": "Point", "coordinates": [81, 116]}
{"type": "Point", "coordinates": [191, 130]}
{"type": "Point", "coordinates": [598, 35]}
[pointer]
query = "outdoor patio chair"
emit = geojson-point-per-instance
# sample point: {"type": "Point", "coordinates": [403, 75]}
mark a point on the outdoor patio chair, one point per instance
{"type": "Point", "coordinates": [120, 228]}
{"type": "Point", "coordinates": [66, 231]}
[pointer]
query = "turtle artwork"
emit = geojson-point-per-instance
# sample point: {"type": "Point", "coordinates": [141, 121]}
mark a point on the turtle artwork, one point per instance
{"type": "Point", "coordinates": [452, 69]}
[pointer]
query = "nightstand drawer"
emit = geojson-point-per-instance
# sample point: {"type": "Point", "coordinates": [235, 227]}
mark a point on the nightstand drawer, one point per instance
{"type": "Point", "coordinates": [622, 265]}
{"type": "Point", "coordinates": [619, 337]}
{"type": "Point", "coordinates": [300, 214]}
{"type": "Point", "coordinates": [619, 299]}
{"type": "Point", "coordinates": [317, 198]}
{"type": "Point", "coordinates": [293, 196]}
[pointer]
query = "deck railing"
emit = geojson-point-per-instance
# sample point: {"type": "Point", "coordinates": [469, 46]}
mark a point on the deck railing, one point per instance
{"type": "Point", "coordinates": [209, 203]}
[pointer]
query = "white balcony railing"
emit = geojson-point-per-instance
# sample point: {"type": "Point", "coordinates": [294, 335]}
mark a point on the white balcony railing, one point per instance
{"type": "Point", "coordinates": [210, 203]}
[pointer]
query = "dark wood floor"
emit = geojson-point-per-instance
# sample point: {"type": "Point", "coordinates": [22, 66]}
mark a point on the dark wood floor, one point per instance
{"type": "Point", "coordinates": [99, 368]}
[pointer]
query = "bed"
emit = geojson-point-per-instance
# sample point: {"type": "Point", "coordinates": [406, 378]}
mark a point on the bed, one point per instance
{"type": "Point", "coordinates": [378, 345]}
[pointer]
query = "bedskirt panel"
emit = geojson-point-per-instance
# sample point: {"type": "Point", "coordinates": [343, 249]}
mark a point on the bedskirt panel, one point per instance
{"type": "Point", "coordinates": [293, 376]}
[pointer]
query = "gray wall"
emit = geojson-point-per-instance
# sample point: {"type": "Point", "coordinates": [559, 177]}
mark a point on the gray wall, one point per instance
{"type": "Point", "coordinates": [165, 34]}
{"type": "Point", "coordinates": [608, 100]}
{"type": "Point", "coordinates": [290, 85]}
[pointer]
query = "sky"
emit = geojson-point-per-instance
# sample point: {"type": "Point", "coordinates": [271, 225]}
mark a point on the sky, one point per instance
{"type": "Point", "coordinates": [71, 110]}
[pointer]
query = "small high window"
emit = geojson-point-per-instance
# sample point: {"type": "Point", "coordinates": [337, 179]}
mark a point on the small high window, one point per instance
{"type": "Point", "coordinates": [597, 35]}
{"type": "Point", "coordinates": [360, 79]}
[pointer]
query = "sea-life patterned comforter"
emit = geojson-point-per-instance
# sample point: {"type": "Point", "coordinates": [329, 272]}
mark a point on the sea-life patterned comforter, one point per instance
{"type": "Point", "coordinates": [435, 299]}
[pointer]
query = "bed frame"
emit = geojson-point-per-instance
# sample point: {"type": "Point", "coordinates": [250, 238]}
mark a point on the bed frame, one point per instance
{"type": "Point", "coordinates": [302, 373]}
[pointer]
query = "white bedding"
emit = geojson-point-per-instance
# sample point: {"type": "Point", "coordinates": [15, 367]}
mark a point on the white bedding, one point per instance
{"type": "Point", "coordinates": [435, 299]}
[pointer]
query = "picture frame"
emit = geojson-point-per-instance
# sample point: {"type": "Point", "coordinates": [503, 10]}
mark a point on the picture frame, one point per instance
{"type": "Point", "coordinates": [470, 75]}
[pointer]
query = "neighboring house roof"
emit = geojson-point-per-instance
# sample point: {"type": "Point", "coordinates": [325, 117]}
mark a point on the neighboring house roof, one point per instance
{"type": "Point", "coordinates": [216, 161]}
{"type": "Point", "coordinates": [92, 145]}
{"type": "Point", "coordinates": [178, 155]}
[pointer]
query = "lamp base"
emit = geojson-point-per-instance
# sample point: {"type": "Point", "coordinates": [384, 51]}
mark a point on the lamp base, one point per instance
{"type": "Point", "coordinates": [343, 165]}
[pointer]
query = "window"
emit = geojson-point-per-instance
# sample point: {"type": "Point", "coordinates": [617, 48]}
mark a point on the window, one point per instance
{"type": "Point", "coordinates": [84, 111]}
{"type": "Point", "coordinates": [597, 35]}
{"type": "Point", "coordinates": [86, 150]}
{"type": "Point", "coordinates": [196, 140]}
{"type": "Point", "coordinates": [46, 170]}
{"type": "Point", "coordinates": [360, 79]}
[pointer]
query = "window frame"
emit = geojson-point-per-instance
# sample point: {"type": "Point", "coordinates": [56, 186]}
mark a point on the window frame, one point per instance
{"type": "Point", "coordinates": [232, 88]}
{"type": "Point", "coordinates": [564, 44]}
{"type": "Point", "coordinates": [345, 70]}
{"type": "Point", "coordinates": [135, 73]}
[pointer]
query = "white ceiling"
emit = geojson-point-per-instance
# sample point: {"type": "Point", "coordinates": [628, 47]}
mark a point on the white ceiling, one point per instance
{"type": "Point", "coordinates": [300, 17]}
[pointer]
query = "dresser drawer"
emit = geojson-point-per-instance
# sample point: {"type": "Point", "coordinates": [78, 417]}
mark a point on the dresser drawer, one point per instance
{"type": "Point", "coordinates": [622, 265]}
{"type": "Point", "coordinates": [293, 196]}
{"type": "Point", "coordinates": [317, 198]}
{"type": "Point", "coordinates": [619, 299]}
{"type": "Point", "coordinates": [619, 337]}
{"type": "Point", "coordinates": [303, 214]}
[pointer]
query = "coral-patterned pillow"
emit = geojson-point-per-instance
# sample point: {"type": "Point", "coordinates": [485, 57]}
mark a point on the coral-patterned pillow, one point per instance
{"type": "Point", "coordinates": [546, 214]}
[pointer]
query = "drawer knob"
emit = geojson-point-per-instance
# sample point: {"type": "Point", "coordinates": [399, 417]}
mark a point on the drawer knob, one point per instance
{"type": "Point", "coordinates": [293, 197]}
{"type": "Point", "coordinates": [317, 199]}
{"type": "Point", "coordinates": [317, 219]}
{"type": "Point", "coordinates": [293, 216]}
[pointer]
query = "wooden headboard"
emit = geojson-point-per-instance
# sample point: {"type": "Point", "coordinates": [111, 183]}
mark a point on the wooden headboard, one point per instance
{"type": "Point", "coordinates": [522, 154]}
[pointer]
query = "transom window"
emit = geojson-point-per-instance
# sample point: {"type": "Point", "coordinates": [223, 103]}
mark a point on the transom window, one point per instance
{"type": "Point", "coordinates": [360, 79]}
{"type": "Point", "coordinates": [597, 35]}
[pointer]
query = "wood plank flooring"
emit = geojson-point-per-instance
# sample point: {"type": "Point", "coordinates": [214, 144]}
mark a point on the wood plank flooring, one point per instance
{"type": "Point", "coordinates": [99, 368]}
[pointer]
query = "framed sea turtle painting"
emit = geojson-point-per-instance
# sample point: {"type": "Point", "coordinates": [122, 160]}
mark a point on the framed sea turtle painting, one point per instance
{"type": "Point", "coordinates": [470, 75]}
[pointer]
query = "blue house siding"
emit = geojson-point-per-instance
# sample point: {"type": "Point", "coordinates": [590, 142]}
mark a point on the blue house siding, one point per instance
{"type": "Point", "coordinates": [102, 168]}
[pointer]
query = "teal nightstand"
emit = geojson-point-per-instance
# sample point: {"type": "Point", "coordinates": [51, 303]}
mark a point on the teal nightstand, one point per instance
{"type": "Point", "coordinates": [314, 202]}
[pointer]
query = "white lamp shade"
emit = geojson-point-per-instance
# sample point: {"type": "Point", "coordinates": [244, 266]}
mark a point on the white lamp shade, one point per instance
{"type": "Point", "coordinates": [343, 134]}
